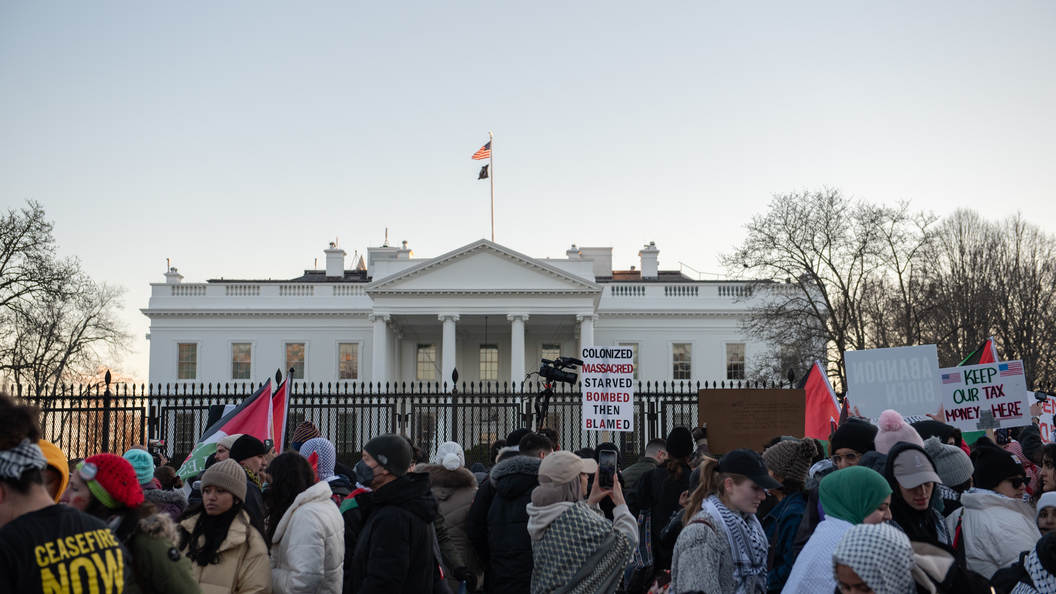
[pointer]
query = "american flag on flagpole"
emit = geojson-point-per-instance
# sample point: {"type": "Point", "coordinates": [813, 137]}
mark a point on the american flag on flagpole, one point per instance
{"type": "Point", "coordinates": [483, 153]}
{"type": "Point", "coordinates": [1010, 368]}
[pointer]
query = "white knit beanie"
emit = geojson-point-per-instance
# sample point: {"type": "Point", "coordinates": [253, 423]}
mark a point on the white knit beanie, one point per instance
{"type": "Point", "coordinates": [450, 455]}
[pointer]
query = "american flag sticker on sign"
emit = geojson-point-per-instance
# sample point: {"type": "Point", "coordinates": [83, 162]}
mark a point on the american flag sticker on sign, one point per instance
{"type": "Point", "coordinates": [1011, 368]}
{"type": "Point", "coordinates": [951, 378]}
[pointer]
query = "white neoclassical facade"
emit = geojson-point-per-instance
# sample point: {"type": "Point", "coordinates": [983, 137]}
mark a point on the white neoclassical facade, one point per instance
{"type": "Point", "coordinates": [483, 309]}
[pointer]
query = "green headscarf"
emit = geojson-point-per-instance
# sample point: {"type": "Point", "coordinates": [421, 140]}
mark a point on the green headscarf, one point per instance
{"type": "Point", "coordinates": [853, 493]}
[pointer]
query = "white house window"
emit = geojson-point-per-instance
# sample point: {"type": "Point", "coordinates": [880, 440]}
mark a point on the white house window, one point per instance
{"type": "Point", "coordinates": [489, 362]}
{"type": "Point", "coordinates": [551, 351]}
{"type": "Point", "coordinates": [426, 365]}
{"type": "Point", "coordinates": [682, 361]}
{"type": "Point", "coordinates": [348, 361]}
{"type": "Point", "coordinates": [632, 345]}
{"type": "Point", "coordinates": [346, 439]}
{"type": "Point", "coordinates": [241, 353]}
{"type": "Point", "coordinates": [735, 361]}
{"type": "Point", "coordinates": [295, 359]}
{"type": "Point", "coordinates": [187, 361]}
{"type": "Point", "coordinates": [185, 432]}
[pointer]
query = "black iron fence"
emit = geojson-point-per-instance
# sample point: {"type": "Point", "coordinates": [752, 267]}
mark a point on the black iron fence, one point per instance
{"type": "Point", "coordinates": [84, 420]}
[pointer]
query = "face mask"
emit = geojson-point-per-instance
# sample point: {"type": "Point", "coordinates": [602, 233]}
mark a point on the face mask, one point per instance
{"type": "Point", "coordinates": [364, 473]}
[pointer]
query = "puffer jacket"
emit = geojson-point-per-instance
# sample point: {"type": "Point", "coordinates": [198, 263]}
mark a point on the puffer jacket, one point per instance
{"type": "Point", "coordinates": [454, 490]}
{"type": "Point", "coordinates": [394, 551]}
{"type": "Point", "coordinates": [308, 549]}
{"type": "Point", "coordinates": [510, 547]}
{"type": "Point", "coordinates": [244, 567]}
{"type": "Point", "coordinates": [158, 567]}
{"type": "Point", "coordinates": [995, 529]}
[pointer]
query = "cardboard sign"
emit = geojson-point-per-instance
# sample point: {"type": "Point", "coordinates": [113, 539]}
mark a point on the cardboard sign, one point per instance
{"type": "Point", "coordinates": [607, 375]}
{"type": "Point", "coordinates": [905, 379]}
{"type": "Point", "coordinates": [988, 396]}
{"type": "Point", "coordinates": [1046, 421]}
{"type": "Point", "coordinates": [749, 418]}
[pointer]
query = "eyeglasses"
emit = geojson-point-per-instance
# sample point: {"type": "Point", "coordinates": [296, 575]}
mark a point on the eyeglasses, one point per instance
{"type": "Point", "coordinates": [851, 458]}
{"type": "Point", "coordinates": [1017, 481]}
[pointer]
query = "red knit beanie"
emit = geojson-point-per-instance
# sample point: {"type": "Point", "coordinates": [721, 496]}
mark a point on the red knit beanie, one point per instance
{"type": "Point", "coordinates": [112, 480]}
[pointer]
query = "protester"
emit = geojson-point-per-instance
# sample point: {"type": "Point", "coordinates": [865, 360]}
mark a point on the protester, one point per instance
{"type": "Point", "coordinates": [30, 521]}
{"type": "Point", "coordinates": [57, 474]}
{"type": "Point", "coordinates": [498, 520]}
{"type": "Point", "coordinates": [722, 547]}
{"type": "Point", "coordinates": [340, 486]}
{"type": "Point", "coordinates": [1046, 459]}
{"type": "Point", "coordinates": [305, 530]}
{"type": "Point", "coordinates": [851, 496]}
{"type": "Point", "coordinates": [658, 492]}
{"type": "Point", "coordinates": [911, 474]}
{"type": "Point", "coordinates": [454, 487]}
{"type": "Point", "coordinates": [223, 447]}
{"type": "Point", "coordinates": [170, 502]}
{"type": "Point", "coordinates": [168, 478]}
{"type": "Point", "coordinates": [551, 434]}
{"type": "Point", "coordinates": [573, 548]}
{"type": "Point", "coordinates": [304, 432]}
{"type": "Point", "coordinates": [873, 558]}
{"type": "Point", "coordinates": [947, 434]}
{"type": "Point", "coordinates": [606, 504]}
{"type": "Point", "coordinates": [851, 440]}
{"type": "Point", "coordinates": [892, 429]}
{"type": "Point", "coordinates": [1045, 513]}
{"type": "Point", "coordinates": [107, 487]}
{"type": "Point", "coordinates": [954, 468]}
{"type": "Point", "coordinates": [788, 463]}
{"type": "Point", "coordinates": [227, 549]}
{"type": "Point", "coordinates": [995, 523]}
{"type": "Point", "coordinates": [1040, 568]}
{"type": "Point", "coordinates": [249, 452]}
{"type": "Point", "coordinates": [655, 455]}
{"type": "Point", "coordinates": [394, 551]}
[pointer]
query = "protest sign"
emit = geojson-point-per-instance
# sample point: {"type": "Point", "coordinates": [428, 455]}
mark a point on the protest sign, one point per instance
{"type": "Point", "coordinates": [607, 375]}
{"type": "Point", "coordinates": [905, 379]}
{"type": "Point", "coordinates": [989, 396]}
{"type": "Point", "coordinates": [1046, 424]}
{"type": "Point", "coordinates": [749, 418]}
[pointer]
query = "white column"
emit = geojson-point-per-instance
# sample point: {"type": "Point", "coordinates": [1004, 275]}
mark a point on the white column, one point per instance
{"type": "Point", "coordinates": [397, 359]}
{"type": "Point", "coordinates": [586, 332]}
{"type": "Point", "coordinates": [447, 355]}
{"type": "Point", "coordinates": [380, 366]}
{"type": "Point", "coordinates": [517, 349]}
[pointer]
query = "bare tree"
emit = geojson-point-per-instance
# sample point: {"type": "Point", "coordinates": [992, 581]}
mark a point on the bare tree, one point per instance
{"type": "Point", "coordinates": [27, 263]}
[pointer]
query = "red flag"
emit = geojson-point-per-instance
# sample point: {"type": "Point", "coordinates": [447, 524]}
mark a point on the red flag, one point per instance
{"type": "Point", "coordinates": [280, 406]}
{"type": "Point", "coordinates": [251, 417]}
{"type": "Point", "coordinates": [986, 353]}
{"type": "Point", "coordinates": [822, 407]}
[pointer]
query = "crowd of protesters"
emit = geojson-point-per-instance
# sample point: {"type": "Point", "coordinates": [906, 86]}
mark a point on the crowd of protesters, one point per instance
{"type": "Point", "coordinates": [897, 507]}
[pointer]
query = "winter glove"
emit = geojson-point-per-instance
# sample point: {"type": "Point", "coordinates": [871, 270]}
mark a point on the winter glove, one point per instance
{"type": "Point", "coordinates": [463, 574]}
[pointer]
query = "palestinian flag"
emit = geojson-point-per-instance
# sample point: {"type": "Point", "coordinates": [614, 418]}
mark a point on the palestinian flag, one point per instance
{"type": "Point", "coordinates": [822, 406]}
{"type": "Point", "coordinates": [280, 406]}
{"type": "Point", "coordinates": [986, 353]}
{"type": "Point", "coordinates": [252, 417]}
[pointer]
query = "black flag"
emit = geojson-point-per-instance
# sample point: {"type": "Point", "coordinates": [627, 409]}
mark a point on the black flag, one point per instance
{"type": "Point", "coordinates": [484, 172]}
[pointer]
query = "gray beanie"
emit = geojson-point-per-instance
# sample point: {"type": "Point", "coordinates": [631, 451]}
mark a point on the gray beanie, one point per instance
{"type": "Point", "coordinates": [391, 451]}
{"type": "Point", "coordinates": [952, 465]}
{"type": "Point", "coordinates": [229, 476]}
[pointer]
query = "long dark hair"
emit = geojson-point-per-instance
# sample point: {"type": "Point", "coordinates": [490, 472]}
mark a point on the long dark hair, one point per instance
{"type": "Point", "coordinates": [674, 467]}
{"type": "Point", "coordinates": [291, 475]}
{"type": "Point", "coordinates": [214, 529]}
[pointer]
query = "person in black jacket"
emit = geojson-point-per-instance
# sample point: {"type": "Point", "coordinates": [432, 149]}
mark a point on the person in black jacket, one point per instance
{"type": "Point", "coordinates": [394, 551]}
{"type": "Point", "coordinates": [659, 491]}
{"type": "Point", "coordinates": [249, 452]}
{"type": "Point", "coordinates": [498, 520]}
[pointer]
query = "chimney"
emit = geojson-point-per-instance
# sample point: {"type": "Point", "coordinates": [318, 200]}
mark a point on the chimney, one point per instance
{"type": "Point", "coordinates": [573, 253]}
{"type": "Point", "coordinates": [404, 253]}
{"type": "Point", "coordinates": [172, 277]}
{"type": "Point", "coordinates": [650, 261]}
{"type": "Point", "coordinates": [335, 261]}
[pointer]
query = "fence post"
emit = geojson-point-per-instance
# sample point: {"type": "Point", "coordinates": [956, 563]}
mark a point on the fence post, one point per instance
{"type": "Point", "coordinates": [107, 397]}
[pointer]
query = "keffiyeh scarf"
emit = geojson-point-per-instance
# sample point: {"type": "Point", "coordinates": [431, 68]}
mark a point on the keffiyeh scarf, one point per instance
{"type": "Point", "coordinates": [22, 457]}
{"type": "Point", "coordinates": [881, 556]}
{"type": "Point", "coordinates": [748, 545]}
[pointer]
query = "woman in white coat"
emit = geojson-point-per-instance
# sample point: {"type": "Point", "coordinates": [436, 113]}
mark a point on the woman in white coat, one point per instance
{"type": "Point", "coordinates": [305, 529]}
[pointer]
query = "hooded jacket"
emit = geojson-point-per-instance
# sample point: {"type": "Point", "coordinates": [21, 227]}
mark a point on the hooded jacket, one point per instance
{"type": "Point", "coordinates": [510, 547]}
{"type": "Point", "coordinates": [244, 566]}
{"type": "Point", "coordinates": [170, 502]}
{"type": "Point", "coordinates": [308, 549]}
{"type": "Point", "coordinates": [454, 490]}
{"type": "Point", "coordinates": [158, 567]}
{"type": "Point", "coordinates": [994, 529]}
{"type": "Point", "coordinates": [918, 525]}
{"type": "Point", "coordinates": [394, 551]}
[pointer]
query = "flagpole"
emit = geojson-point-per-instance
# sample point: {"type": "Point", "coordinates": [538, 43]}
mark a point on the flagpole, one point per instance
{"type": "Point", "coordinates": [491, 162]}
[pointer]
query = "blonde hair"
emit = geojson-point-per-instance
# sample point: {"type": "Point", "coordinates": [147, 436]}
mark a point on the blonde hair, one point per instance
{"type": "Point", "coordinates": [711, 482]}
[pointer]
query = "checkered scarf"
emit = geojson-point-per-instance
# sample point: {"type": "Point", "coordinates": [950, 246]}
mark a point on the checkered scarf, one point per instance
{"type": "Point", "coordinates": [748, 545]}
{"type": "Point", "coordinates": [25, 455]}
{"type": "Point", "coordinates": [881, 555]}
{"type": "Point", "coordinates": [327, 456]}
{"type": "Point", "coordinates": [1044, 582]}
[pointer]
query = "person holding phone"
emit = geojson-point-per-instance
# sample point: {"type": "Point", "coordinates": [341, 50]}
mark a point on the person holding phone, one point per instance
{"type": "Point", "coordinates": [573, 546]}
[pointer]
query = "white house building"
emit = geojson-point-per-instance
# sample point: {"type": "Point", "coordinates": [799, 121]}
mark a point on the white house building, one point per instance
{"type": "Point", "coordinates": [483, 309]}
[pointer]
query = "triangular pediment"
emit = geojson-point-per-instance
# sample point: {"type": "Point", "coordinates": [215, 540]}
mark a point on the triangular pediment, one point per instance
{"type": "Point", "coordinates": [483, 267]}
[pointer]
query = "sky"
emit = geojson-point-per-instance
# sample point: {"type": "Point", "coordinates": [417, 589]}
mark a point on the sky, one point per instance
{"type": "Point", "coordinates": [238, 138]}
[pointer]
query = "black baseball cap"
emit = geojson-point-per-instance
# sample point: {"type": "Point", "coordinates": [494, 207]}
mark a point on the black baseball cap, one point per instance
{"type": "Point", "coordinates": [751, 465]}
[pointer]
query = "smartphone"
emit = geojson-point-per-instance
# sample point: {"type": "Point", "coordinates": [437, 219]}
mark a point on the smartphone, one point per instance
{"type": "Point", "coordinates": [606, 468]}
{"type": "Point", "coordinates": [268, 444]}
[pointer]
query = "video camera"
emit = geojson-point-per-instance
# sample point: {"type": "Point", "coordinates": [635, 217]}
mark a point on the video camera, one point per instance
{"type": "Point", "coordinates": [554, 371]}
